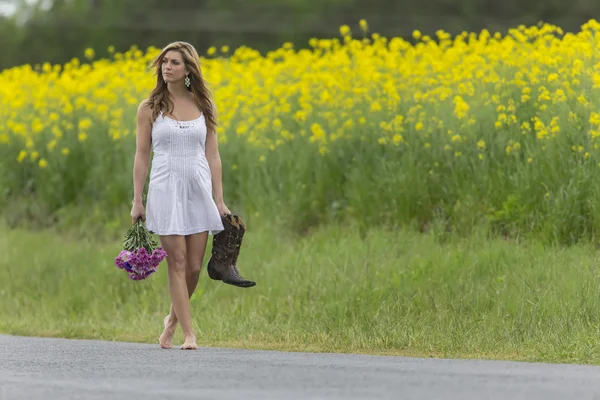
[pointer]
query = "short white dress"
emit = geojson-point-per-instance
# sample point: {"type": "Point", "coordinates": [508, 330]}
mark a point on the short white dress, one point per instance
{"type": "Point", "coordinates": [179, 200]}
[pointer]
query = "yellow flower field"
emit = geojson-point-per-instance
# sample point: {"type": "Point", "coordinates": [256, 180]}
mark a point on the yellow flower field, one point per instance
{"type": "Point", "coordinates": [502, 127]}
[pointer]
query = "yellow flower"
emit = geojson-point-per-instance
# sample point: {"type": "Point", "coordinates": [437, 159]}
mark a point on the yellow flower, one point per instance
{"type": "Point", "coordinates": [318, 134]}
{"type": "Point", "coordinates": [559, 96]}
{"type": "Point", "coordinates": [344, 30]}
{"type": "Point", "coordinates": [21, 156]}
{"type": "Point", "coordinates": [85, 123]}
{"type": "Point", "coordinates": [52, 144]}
{"type": "Point", "coordinates": [43, 163]}
{"type": "Point", "coordinates": [375, 106]}
{"type": "Point", "coordinates": [461, 108]}
{"type": "Point", "coordinates": [397, 139]}
{"type": "Point", "coordinates": [363, 25]}
{"type": "Point", "coordinates": [89, 53]}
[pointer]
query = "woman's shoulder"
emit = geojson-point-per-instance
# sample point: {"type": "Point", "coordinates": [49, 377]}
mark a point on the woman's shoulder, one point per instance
{"type": "Point", "coordinates": [145, 107]}
{"type": "Point", "coordinates": [145, 104]}
{"type": "Point", "coordinates": [145, 112]}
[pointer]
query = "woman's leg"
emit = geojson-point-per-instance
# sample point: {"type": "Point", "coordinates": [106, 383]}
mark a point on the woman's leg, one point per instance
{"type": "Point", "coordinates": [175, 246]}
{"type": "Point", "coordinates": [195, 249]}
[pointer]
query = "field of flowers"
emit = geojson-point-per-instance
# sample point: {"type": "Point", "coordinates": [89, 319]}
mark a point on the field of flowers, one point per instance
{"type": "Point", "coordinates": [440, 131]}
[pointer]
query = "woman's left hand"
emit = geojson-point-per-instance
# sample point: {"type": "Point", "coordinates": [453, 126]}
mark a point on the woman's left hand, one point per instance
{"type": "Point", "coordinates": [223, 210]}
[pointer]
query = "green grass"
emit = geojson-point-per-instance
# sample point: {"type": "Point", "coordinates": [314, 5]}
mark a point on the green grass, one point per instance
{"type": "Point", "coordinates": [333, 290]}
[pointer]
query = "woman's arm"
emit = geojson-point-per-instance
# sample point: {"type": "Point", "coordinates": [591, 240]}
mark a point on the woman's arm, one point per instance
{"type": "Point", "coordinates": [215, 165]}
{"type": "Point", "coordinates": [214, 162]}
{"type": "Point", "coordinates": [142, 152]}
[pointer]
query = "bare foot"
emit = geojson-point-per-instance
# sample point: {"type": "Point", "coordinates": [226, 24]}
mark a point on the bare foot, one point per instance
{"type": "Point", "coordinates": [190, 343]}
{"type": "Point", "coordinates": [166, 339]}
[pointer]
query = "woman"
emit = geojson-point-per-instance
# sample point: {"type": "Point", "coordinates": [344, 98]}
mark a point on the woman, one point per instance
{"type": "Point", "coordinates": [178, 123]}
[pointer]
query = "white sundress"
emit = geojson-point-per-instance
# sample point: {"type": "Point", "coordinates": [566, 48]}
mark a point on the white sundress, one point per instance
{"type": "Point", "coordinates": [180, 198]}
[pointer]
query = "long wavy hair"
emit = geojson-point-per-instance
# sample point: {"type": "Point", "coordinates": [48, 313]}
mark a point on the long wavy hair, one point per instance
{"type": "Point", "coordinates": [159, 97]}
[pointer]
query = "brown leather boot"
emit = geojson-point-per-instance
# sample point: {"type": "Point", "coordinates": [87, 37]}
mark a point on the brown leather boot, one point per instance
{"type": "Point", "coordinates": [232, 272]}
{"type": "Point", "coordinates": [225, 252]}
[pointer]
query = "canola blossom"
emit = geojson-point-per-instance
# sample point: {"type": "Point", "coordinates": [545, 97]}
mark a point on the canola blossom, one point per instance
{"type": "Point", "coordinates": [479, 113]}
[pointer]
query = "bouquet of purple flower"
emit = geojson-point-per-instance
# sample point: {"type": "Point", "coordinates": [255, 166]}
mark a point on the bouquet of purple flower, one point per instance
{"type": "Point", "coordinates": [141, 254]}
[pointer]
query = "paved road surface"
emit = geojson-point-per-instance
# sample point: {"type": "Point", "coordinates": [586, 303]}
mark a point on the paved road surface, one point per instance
{"type": "Point", "coordinates": [33, 368]}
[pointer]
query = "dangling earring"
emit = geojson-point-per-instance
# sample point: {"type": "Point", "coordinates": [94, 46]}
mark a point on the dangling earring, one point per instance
{"type": "Point", "coordinates": [187, 81]}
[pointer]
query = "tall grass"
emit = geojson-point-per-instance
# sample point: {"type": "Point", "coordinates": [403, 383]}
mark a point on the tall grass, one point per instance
{"type": "Point", "coordinates": [400, 293]}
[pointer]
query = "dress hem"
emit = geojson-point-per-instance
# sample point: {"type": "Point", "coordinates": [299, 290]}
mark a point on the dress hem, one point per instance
{"type": "Point", "coordinates": [192, 231]}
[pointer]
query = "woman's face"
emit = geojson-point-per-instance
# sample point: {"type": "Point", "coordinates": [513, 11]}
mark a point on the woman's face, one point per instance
{"type": "Point", "coordinates": [173, 67]}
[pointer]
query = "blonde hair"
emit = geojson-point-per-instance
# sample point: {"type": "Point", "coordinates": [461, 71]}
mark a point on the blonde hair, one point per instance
{"type": "Point", "coordinates": [159, 99]}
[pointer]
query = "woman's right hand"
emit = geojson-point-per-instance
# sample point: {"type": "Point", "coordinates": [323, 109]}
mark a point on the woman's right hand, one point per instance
{"type": "Point", "coordinates": [137, 211]}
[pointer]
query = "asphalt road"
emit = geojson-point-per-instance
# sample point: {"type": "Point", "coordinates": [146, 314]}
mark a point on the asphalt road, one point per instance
{"type": "Point", "coordinates": [34, 368]}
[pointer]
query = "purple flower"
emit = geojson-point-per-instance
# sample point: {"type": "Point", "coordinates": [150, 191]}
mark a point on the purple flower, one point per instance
{"type": "Point", "coordinates": [122, 260]}
{"type": "Point", "coordinates": [140, 264]}
{"type": "Point", "coordinates": [141, 254]}
{"type": "Point", "coordinates": [140, 276]}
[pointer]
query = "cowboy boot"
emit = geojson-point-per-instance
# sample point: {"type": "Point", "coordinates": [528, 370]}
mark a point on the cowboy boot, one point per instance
{"type": "Point", "coordinates": [232, 275]}
{"type": "Point", "coordinates": [226, 247]}
{"type": "Point", "coordinates": [222, 250]}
